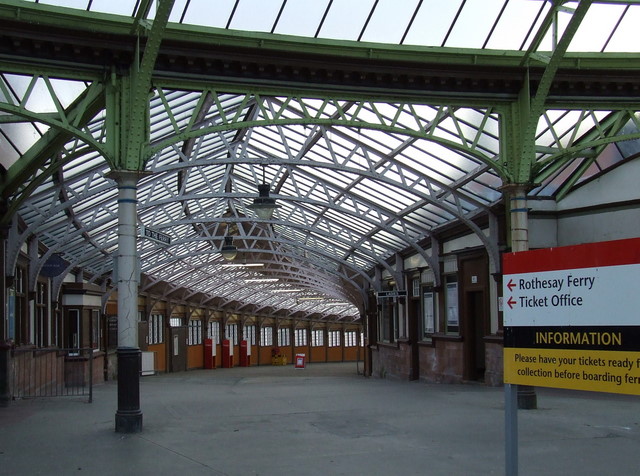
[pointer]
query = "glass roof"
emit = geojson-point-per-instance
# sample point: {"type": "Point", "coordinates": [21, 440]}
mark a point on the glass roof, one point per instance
{"type": "Point", "coordinates": [356, 180]}
{"type": "Point", "coordinates": [492, 24]}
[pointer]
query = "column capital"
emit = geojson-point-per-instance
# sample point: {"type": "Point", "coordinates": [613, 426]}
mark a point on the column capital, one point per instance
{"type": "Point", "coordinates": [516, 188]}
{"type": "Point", "coordinates": [127, 175]}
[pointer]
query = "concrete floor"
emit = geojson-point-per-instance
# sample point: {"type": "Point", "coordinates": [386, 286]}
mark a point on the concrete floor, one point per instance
{"type": "Point", "coordinates": [322, 420]}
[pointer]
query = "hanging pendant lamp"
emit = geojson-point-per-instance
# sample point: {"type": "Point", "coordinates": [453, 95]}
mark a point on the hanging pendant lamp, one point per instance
{"type": "Point", "coordinates": [229, 251]}
{"type": "Point", "coordinates": [264, 205]}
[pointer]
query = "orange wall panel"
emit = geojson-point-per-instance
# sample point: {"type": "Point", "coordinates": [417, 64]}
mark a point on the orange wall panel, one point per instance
{"type": "Point", "coordinates": [350, 353]}
{"type": "Point", "coordinates": [265, 355]}
{"type": "Point", "coordinates": [195, 357]}
{"type": "Point", "coordinates": [334, 354]}
{"type": "Point", "coordinates": [318, 354]}
{"type": "Point", "coordinates": [161, 356]}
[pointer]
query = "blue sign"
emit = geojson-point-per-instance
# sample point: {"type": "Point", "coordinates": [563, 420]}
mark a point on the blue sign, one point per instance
{"type": "Point", "coordinates": [54, 266]}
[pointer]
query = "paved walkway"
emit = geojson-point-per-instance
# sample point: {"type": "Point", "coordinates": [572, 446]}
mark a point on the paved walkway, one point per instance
{"type": "Point", "coordinates": [322, 420]}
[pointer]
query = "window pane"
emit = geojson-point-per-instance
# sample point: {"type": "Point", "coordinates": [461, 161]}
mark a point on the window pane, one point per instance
{"type": "Point", "coordinates": [428, 313]}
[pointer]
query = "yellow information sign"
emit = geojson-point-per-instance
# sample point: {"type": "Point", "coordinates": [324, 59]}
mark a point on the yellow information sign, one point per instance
{"type": "Point", "coordinates": [599, 371]}
{"type": "Point", "coordinates": [571, 317]}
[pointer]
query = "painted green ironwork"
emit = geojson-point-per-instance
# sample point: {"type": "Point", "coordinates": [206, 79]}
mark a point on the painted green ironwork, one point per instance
{"type": "Point", "coordinates": [134, 93]}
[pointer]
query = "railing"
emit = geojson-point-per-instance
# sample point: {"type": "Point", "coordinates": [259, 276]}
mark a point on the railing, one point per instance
{"type": "Point", "coordinates": [51, 372]}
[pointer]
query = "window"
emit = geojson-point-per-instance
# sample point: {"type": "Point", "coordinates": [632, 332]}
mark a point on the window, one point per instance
{"type": "Point", "coordinates": [96, 329]}
{"type": "Point", "coordinates": [362, 339]}
{"type": "Point", "coordinates": [388, 320]}
{"type": "Point", "coordinates": [175, 322]}
{"type": "Point", "coordinates": [156, 327]}
{"type": "Point", "coordinates": [317, 338]}
{"type": "Point", "coordinates": [334, 338]}
{"type": "Point", "coordinates": [249, 334]}
{"type": "Point", "coordinates": [301, 337]}
{"type": "Point", "coordinates": [451, 301]}
{"type": "Point", "coordinates": [213, 332]}
{"type": "Point", "coordinates": [41, 323]}
{"type": "Point", "coordinates": [194, 336]}
{"type": "Point", "coordinates": [57, 336]}
{"type": "Point", "coordinates": [266, 336]}
{"type": "Point", "coordinates": [350, 338]}
{"type": "Point", "coordinates": [428, 312]}
{"type": "Point", "coordinates": [18, 328]}
{"type": "Point", "coordinates": [231, 333]}
{"type": "Point", "coordinates": [284, 336]}
{"type": "Point", "coordinates": [415, 290]}
{"type": "Point", "coordinates": [73, 329]}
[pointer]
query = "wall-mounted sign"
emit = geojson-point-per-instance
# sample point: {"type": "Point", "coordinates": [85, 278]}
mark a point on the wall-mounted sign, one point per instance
{"type": "Point", "coordinates": [571, 317]}
{"type": "Point", "coordinates": [391, 294]}
{"type": "Point", "coordinates": [155, 235]}
{"type": "Point", "coordinates": [54, 266]}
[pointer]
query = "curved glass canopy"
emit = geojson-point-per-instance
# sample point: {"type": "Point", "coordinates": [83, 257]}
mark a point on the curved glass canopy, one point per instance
{"type": "Point", "coordinates": [358, 178]}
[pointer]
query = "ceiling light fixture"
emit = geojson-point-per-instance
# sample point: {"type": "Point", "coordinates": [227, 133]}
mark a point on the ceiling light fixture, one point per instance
{"type": "Point", "coordinates": [264, 205]}
{"type": "Point", "coordinates": [229, 250]}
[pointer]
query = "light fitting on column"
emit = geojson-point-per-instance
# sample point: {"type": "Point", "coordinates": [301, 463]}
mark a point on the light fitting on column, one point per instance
{"type": "Point", "coordinates": [229, 250]}
{"type": "Point", "coordinates": [264, 205]}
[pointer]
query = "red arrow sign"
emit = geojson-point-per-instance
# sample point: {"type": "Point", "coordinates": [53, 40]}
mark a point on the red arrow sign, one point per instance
{"type": "Point", "coordinates": [511, 285]}
{"type": "Point", "coordinates": [511, 302]}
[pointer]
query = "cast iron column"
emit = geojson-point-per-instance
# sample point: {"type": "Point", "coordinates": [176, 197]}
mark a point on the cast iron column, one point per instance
{"type": "Point", "coordinates": [527, 399]}
{"type": "Point", "coordinates": [128, 416]}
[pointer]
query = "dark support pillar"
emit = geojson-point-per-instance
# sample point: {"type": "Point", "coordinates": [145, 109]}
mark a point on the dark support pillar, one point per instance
{"type": "Point", "coordinates": [5, 391]}
{"type": "Point", "coordinates": [129, 415]}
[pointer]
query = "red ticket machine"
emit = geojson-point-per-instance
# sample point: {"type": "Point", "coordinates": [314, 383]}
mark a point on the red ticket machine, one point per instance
{"type": "Point", "coordinates": [227, 355]}
{"type": "Point", "coordinates": [245, 354]}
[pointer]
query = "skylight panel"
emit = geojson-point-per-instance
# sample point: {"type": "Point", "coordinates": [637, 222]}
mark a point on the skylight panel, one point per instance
{"type": "Point", "coordinates": [624, 39]}
{"type": "Point", "coordinates": [15, 140]}
{"type": "Point", "coordinates": [79, 4]}
{"type": "Point", "coordinates": [79, 167]}
{"type": "Point", "coordinates": [551, 185]}
{"type": "Point", "coordinates": [345, 18]}
{"type": "Point", "coordinates": [301, 18]}
{"type": "Point", "coordinates": [352, 222]}
{"type": "Point", "coordinates": [389, 197]}
{"type": "Point", "coordinates": [479, 192]}
{"type": "Point", "coordinates": [117, 7]}
{"type": "Point", "coordinates": [199, 12]}
{"type": "Point", "coordinates": [597, 25]}
{"type": "Point", "coordinates": [474, 23]}
{"type": "Point", "coordinates": [389, 21]}
{"type": "Point", "coordinates": [518, 24]}
{"type": "Point", "coordinates": [255, 15]}
{"type": "Point", "coordinates": [36, 96]}
{"type": "Point", "coordinates": [389, 240]}
{"type": "Point", "coordinates": [421, 219]}
{"type": "Point", "coordinates": [338, 179]}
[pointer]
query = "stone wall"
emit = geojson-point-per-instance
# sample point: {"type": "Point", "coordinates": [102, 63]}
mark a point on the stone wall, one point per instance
{"type": "Point", "coordinates": [442, 362]}
{"type": "Point", "coordinates": [392, 361]}
{"type": "Point", "coordinates": [494, 373]}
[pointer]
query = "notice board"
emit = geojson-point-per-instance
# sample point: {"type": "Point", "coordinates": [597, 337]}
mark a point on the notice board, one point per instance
{"type": "Point", "coordinates": [572, 317]}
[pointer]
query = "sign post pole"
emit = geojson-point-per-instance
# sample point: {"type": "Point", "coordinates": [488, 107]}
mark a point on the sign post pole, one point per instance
{"type": "Point", "coordinates": [511, 429]}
